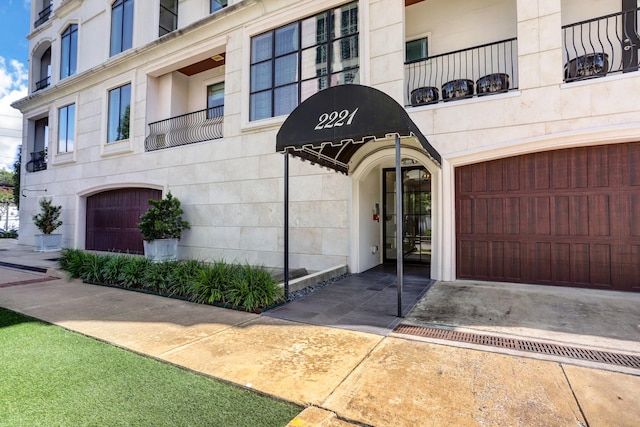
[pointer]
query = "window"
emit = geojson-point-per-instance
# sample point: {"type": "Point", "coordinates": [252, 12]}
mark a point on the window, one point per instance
{"type": "Point", "coordinates": [121, 26]}
{"type": "Point", "coordinates": [291, 63]}
{"type": "Point", "coordinates": [38, 156]}
{"type": "Point", "coordinates": [45, 70]}
{"type": "Point", "coordinates": [168, 16]}
{"type": "Point", "coordinates": [216, 5]}
{"type": "Point", "coordinates": [416, 50]}
{"type": "Point", "coordinates": [215, 100]}
{"type": "Point", "coordinates": [119, 111]}
{"type": "Point", "coordinates": [66, 128]}
{"type": "Point", "coordinates": [68, 56]}
{"type": "Point", "coordinates": [43, 13]}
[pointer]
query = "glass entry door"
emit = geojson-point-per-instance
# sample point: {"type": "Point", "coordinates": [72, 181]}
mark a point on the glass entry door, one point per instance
{"type": "Point", "coordinates": [416, 221]}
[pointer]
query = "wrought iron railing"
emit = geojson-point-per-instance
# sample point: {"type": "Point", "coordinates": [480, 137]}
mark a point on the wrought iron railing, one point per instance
{"type": "Point", "coordinates": [43, 16]}
{"type": "Point", "coordinates": [203, 125]}
{"type": "Point", "coordinates": [600, 46]}
{"type": "Point", "coordinates": [481, 70]}
{"type": "Point", "coordinates": [44, 83]}
{"type": "Point", "coordinates": [38, 161]}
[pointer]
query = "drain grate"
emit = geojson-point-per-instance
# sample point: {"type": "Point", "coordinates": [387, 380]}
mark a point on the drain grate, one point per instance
{"type": "Point", "coordinates": [522, 345]}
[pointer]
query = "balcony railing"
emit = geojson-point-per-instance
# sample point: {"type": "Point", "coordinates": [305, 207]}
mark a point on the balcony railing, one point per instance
{"type": "Point", "coordinates": [599, 46]}
{"type": "Point", "coordinates": [44, 83]}
{"type": "Point", "coordinates": [38, 161]}
{"type": "Point", "coordinates": [203, 125]}
{"type": "Point", "coordinates": [43, 16]}
{"type": "Point", "coordinates": [481, 70]}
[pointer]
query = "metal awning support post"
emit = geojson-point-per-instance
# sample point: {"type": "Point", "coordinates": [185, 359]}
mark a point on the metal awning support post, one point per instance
{"type": "Point", "coordinates": [399, 219]}
{"type": "Point", "coordinates": [286, 226]}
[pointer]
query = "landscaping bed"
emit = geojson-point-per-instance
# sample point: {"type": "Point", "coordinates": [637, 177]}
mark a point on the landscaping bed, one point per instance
{"type": "Point", "coordinates": [233, 285]}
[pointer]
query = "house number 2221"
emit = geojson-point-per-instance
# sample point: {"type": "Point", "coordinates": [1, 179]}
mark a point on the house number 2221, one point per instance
{"type": "Point", "coordinates": [335, 119]}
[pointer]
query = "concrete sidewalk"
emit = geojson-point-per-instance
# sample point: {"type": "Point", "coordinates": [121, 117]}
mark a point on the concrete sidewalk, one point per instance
{"type": "Point", "coordinates": [343, 377]}
{"type": "Point", "coordinates": [358, 377]}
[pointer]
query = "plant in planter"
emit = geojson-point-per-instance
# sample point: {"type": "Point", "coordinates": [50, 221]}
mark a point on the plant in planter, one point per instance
{"type": "Point", "coordinates": [48, 221]}
{"type": "Point", "coordinates": [161, 227]}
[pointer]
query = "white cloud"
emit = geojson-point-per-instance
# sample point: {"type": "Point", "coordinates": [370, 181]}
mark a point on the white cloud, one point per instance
{"type": "Point", "coordinates": [13, 86]}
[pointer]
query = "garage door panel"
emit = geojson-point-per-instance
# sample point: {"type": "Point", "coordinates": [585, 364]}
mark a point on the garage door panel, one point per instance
{"type": "Point", "coordinates": [561, 216]}
{"type": "Point", "coordinates": [561, 263]}
{"type": "Point", "coordinates": [599, 215]}
{"type": "Point", "coordinates": [633, 160]}
{"type": "Point", "coordinates": [553, 223]}
{"type": "Point", "coordinates": [580, 264]}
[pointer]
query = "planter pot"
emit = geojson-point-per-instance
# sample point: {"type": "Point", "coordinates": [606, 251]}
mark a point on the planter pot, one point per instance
{"type": "Point", "coordinates": [48, 242]}
{"type": "Point", "coordinates": [161, 250]}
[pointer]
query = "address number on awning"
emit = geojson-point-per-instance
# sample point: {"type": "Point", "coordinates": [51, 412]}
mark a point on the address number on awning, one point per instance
{"type": "Point", "coordinates": [335, 119]}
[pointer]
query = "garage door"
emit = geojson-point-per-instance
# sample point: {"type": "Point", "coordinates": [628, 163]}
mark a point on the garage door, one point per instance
{"type": "Point", "coordinates": [113, 217]}
{"type": "Point", "coordinates": [567, 217]}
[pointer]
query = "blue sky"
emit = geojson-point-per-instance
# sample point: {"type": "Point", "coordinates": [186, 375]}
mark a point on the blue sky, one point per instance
{"type": "Point", "coordinates": [14, 52]}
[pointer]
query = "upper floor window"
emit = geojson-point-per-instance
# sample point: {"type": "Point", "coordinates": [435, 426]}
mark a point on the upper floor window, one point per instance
{"type": "Point", "coordinates": [215, 100]}
{"type": "Point", "coordinates": [291, 63]}
{"type": "Point", "coordinates": [43, 13]}
{"type": "Point", "coordinates": [416, 50]}
{"type": "Point", "coordinates": [44, 77]}
{"type": "Point", "coordinates": [217, 5]}
{"type": "Point", "coordinates": [38, 146]}
{"type": "Point", "coordinates": [121, 26]}
{"type": "Point", "coordinates": [168, 17]}
{"type": "Point", "coordinates": [119, 113]}
{"type": "Point", "coordinates": [69, 51]}
{"type": "Point", "coordinates": [66, 128]}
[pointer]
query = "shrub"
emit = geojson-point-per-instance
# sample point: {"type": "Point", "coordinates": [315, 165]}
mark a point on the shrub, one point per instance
{"type": "Point", "coordinates": [93, 267]}
{"type": "Point", "coordinates": [242, 286]}
{"type": "Point", "coordinates": [184, 277]}
{"type": "Point", "coordinates": [47, 220]}
{"type": "Point", "coordinates": [252, 288]}
{"type": "Point", "coordinates": [132, 272]}
{"type": "Point", "coordinates": [212, 281]}
{"type": "Point", "coordinates": [72, 260]}
{"type": "Point", "coordinates": [163, 220]}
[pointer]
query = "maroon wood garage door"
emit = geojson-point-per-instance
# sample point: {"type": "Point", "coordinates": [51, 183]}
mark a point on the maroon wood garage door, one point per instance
{"type": "Point", "coordinates": [568, 217]}
{"type": "Point", "coordinates": [113, 217]}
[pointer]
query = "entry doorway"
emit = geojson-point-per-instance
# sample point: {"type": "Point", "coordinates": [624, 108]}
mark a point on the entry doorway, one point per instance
{"type": "Point", "coordinates": [416, 221]}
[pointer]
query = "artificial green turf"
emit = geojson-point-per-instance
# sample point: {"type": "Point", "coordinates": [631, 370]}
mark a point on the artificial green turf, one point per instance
{"type": "Point", "coordinates": [53, 377]}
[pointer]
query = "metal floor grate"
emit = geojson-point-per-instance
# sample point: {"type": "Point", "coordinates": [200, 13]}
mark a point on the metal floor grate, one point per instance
{"type": "Point", "coordinates": [522, 345]}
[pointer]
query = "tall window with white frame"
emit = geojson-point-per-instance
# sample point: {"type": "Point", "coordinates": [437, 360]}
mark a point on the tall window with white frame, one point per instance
{"type": "Point", "coordinates": [168, 17]}
{"type": "Point", "coordinates": [69, 51]}
{"type": "Point", "coordinates": [119, 113]}
{"type": "Point", "coordinates": [121, 26]}
{"type": "Point", "coordinates": [293, 62]}
{"type": "Point", "coordinates": [216, 5]}
{"type": "Point", "coordinates": [66, 128]}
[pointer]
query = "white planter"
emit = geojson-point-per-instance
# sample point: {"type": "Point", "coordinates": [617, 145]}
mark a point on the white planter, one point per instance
{"type": "Point", "coordinates": [161, 250]}
{"type": "Point", "coordinates": [48, 242]}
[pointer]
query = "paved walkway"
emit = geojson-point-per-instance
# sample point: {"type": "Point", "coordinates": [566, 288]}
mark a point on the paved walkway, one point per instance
{"type": "Point", "coordinates": [344, 377]}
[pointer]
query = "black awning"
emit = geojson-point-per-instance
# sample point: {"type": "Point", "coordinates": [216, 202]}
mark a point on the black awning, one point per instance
{"type": "Point", "coordinates": [330, 126]}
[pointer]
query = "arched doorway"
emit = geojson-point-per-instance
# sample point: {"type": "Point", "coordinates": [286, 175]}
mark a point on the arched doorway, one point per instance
{"type": "Point", "coordinates": [330, 127]}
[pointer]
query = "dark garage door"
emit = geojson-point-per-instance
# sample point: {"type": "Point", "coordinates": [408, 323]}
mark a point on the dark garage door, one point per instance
{"type": "Point", "coordinates": [567, 217]}
{"type": "Point", "coordinates": [113, 217]}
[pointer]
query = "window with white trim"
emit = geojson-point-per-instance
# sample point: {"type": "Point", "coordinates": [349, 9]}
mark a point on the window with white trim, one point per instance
{"type": "Point", "coordinates": [119, 113]}
{"type": "Point", "coordinates": [121, 26]}
{"type": "Point", "coordinates": [291, 63]}
{"type": "Point", "coordinates": [66, 128]}
{"type": "Point", "coordinates": [69, 51]}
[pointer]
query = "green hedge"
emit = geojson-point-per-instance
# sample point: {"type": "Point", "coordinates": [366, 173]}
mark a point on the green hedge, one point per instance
{"type": "Point", "coordinates": [239, 286]}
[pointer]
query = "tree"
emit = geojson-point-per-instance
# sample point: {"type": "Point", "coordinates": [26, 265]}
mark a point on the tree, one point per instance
{"type": "Point", "coordinates": [16, 179]}
{"type": "Point", "coordinates": [6, 200]}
